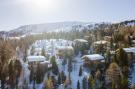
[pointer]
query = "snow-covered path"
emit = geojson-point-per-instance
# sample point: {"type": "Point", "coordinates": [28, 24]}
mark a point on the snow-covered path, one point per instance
{"type": "Point", "coordinates": [75, 72]}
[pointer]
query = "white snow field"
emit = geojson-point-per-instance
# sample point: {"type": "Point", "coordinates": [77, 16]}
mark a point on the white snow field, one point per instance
{"type": "Point", "coordinates": [51, 46]}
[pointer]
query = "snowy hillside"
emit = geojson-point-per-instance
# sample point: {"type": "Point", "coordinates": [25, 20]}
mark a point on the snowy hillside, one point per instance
{"type": "Point", "coordinates": [61, 26]}
{"type": "Point", "coordinates": [47, 27]}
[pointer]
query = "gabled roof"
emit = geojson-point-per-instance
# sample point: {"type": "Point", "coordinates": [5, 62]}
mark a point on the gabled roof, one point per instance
{"type": "Point", "coordinates": [93, 57]}
{"type": "Point", "coordinates": [129, 50]}
{"type": "Point", "coordinates": [101, 42]}
{"type": "Point", "coordinates": [133, 41]}
{"type": "Point", "coordinates": [36, 58]}
{"type": "Point", "coordinates": [64, 47]}
{"type": "Point", "coordinates": [81, 40]}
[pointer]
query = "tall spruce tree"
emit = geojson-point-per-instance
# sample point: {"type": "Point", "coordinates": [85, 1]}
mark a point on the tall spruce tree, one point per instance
{"type": "Point", "coordinates": [55, 69]}
{"type": "Point", "coordinates": [78, 85]}
{"type": "Point", "coordinates": [80, 71]}
{"type": "Point", "coordinates": [59, 79]}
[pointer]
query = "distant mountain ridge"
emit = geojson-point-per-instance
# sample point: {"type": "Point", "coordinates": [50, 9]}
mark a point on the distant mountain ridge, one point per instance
{"type": "Point", "coordinates": [60, 26]}
{"type": "Point", "coordinates": [47, 27]}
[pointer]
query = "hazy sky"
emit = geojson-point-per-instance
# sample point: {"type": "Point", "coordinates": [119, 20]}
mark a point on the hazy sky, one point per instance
{"type": "Point", "coordinates": [14, 13]}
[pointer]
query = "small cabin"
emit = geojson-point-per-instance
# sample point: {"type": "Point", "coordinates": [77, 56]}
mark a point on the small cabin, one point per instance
{"type": "Point", "coordinates": [80, 42]}
{"type": "Point", "coordinates": [38, 63]}
{"type": "Point", "coordinates": [81, 45]}
{"type": "Point", "coordinates": [101, 45]}
{"type": "Point", "coordinates": [107, 38]}
{"type": "Point", "coordinates": [64, 50]}
{"type": "Point", "coordinates": [130, 53]}
{"type": "Point", "coordinates": [35, 59]}
{"type": "Point", "coordinates": [92, 59]}
{"type": "Point", "coordinates": [103, 42]}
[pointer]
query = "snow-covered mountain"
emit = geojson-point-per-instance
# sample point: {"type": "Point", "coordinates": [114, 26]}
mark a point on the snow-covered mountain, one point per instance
{"type": "Point", "coordinates": [47, 27]}
{"type": "Point", "coordinates": [61, 26]}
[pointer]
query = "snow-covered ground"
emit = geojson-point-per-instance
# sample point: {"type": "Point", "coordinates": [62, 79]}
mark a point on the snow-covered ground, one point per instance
{"type": "Point", "coordinates": [75, 72]}
{"type": "Point", "coordinates": [50, 47]}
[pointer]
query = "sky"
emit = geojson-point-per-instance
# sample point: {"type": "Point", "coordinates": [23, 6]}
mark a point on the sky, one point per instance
{"type": "Point", "coordinates": [15, 13]}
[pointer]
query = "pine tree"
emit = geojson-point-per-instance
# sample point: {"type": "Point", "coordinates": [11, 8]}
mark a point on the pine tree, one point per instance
{"type": "Point", "coordinates": [39, 74]}
{"type": "Point", "coordinates": [54, 81]}
{"type": "Point", "coordinates": [49, 84]}
{"type": "Point", "coordinates": [114, 74]}
{"type": "Point", "coordinates": [80, 71]}
{"type": "Point", "coordinates": [6, 52]}
{"type": "Point", "coordinates": [25, 55]}
{"type": "Point", "coordinates": [122, 58]}
{"type": "Point", "coordinates": [111, 44]}
{"type": "Point", "coordinates": [84, 81]}
{"type": "Point", "coordinates": [78, 85]}
{"type": "Point", "coordinates": [43, 52]}
{"type": "Point", "coordinates": [70, 65]}
{"type": "Point", "coordinates": [32, 50]}
{"type": "Point", "coordinates": [129, 40]}
{"type": "Point", "coordinates": [63, 77]}
{"type": "Point", "coordinates": [91, 82]}
{"type": "Point", "coordinates": [113, 86]}
{"type": "Point", "coordinates": [11, 74]}
{"type": "Point", "coordinates": [59, 79]}
{"type": "Point", "coordinates": [55, 69]}
{"type": "Point", "coordinates": [17, 70]}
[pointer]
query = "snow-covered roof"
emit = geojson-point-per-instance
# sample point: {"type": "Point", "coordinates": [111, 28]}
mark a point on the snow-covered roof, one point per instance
{"type": "Point", "coordinates": [64, 47]}
{"type": "Point", "coordinates": [45, 62]}
{"type": "Point", "coordinates": [81, 40]}
{"type": "Point", "coordinates": [108, 36]}
{"type": "Point", "coordinates": [38, 49]}
{"type": "Point", "coordinates": [101, 42]}
{"type": "Point", "coordinates": [129, 50]}
{"type": "Point", "coordinates": [93, 57]}
{"type": "Point", "coordinates": [133, 41]}
{"type": "Point", "coordinates": [36, 58]}
{"type": "Point", "coordinates": [12, 38]}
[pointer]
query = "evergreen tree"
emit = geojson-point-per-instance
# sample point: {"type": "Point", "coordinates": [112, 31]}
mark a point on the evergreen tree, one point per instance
{"type": "Point", "coordinates": [54, 66]}
{"type": "Point", "coordinates": [129, 40]}
{"type": "Point", "coordinates": [84, 83]}
{"type": "Point", "coordinates": [70, 65]}
{"type": "Point", "coordinates": [113, 86]}
{"type": "Point", "coordinates": [43, 52]}
{"type": "Point", "coordinates": [78, 85]}
{"type": "Point", "coordinates": [59, 79]}
{"type": "Point", "coordinates": [111, 44]}
{"type": "Point", "coordinates": [49, 84]}
{"type": "Point", "coordinates": [39, 74]}
{"type": "Point", "coordinates": [80, 71]}
{"type": "Point", "coordinates": [25, 55]}
{"type": "Point", "coordinates": [17, 70]}
{"type": "Point", "coordinates": [91, 82]}
{"type": "Point", "coordinates": [114, 74]}
{"type": "Point", "coordinates": [32, 50]}
{"type": "Point", "coordinates": [122, 58]}
{"type": "Point", "coordinates": [6, 52]}
{"type": "Point", "coordinates": [11, 75]}
{"type": "Point", "coordinates": [54, 82]}
{"type": "Point", "coordinates": [63, 77]}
